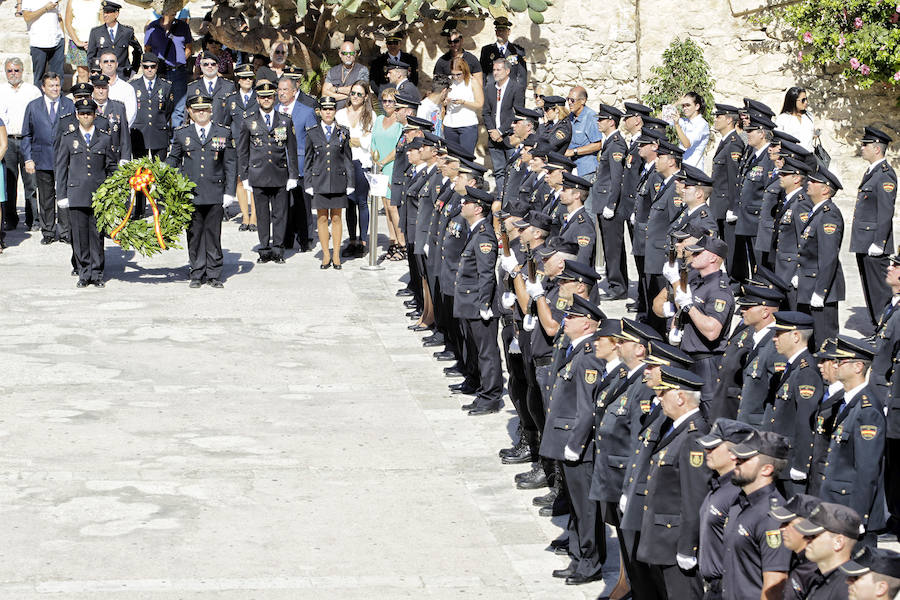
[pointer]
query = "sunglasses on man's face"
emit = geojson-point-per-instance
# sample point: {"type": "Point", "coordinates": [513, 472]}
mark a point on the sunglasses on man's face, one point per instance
{"type": "Point", "coordinates": [456, 41]}
{"type": "Point", "coordinates": [209, 63]}
{"type": "Point", "coordinates": [108, 61]}
{"type": "Point", "coordinates": [150, 66]}
{"type": "Point", "coordinates": [348, 53]}
{"type": "Point", "coordinates": [14, 70]}
{"type": "Point", "coordinates": [386, 101]}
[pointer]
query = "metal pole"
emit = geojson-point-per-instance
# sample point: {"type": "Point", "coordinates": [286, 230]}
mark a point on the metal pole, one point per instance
{"type": "Point", "coordinates": [373, 224]}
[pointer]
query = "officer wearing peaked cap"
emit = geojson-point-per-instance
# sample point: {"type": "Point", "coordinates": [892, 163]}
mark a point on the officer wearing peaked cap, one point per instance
{"type": "Point", "coordinates": [790, 218]}
{"type": "Point", "coordinates": [726, 165]}
{"type": "Point", "coordinates": [764, 243]}
{"type": "Point", "coordinates": [606, 194]}
{"type": "Point", "coordinates": [398, 71]}
{"type": "Point", "coordinates": [871, 234]}
{"type": "Point", "coordinates": [696, 187]}
{"type": "Point", "coordinates": [116, 37]}
{"type": "Point", "coordinates": [378, 68]}
{"type": "Point", "coordinates": [150, 130]}
{"type": "Point", "coordinates": [854, 469]}
{"type": "Point", "coordinates": [217, 88]}
{"type": "Point", "coordinates": [577, 225]}
{"type": "Point", "coordinates": [802, 570]}
{"type": "Point", "coordinates": [556, 131]}
{"type": "Point", "coordinates": [503, 48]}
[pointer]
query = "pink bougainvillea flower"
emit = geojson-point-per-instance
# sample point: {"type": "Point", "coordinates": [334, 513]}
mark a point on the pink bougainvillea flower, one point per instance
{"type": "Point", "coordinates": [854, 63]}
{"type": "Point", "coordinates": [807, 37]}
{"type": "Point", "coordinates": [858, 22]}
{"type": "Point", "coordinates": [897, 76]}
{"type": "Point", "coordinates": [864, 69]}
{"type": "Point", "coordinates": [841, 41]}
{"type": "Point", "coordinates": [800, 55]}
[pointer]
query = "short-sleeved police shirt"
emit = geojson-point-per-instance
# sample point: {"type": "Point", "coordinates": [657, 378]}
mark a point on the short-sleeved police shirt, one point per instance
{"type": "Point", "coordinates": [713, 515]}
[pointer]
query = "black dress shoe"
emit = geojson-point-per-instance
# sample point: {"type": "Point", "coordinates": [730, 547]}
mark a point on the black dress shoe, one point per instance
{"type": "Point", "coordinates": [560, 543]}
{"type": "Point", "coordinates": [610, 297]}
{"type": "Point", "coordinates": [419, 328]}
{"type": "Point", "coordinates": [409, 303]}
{"type": "Point", "coordinates": [65, 240]}
{"type": "Point", "coordinates": [404, 292]}
{"type": "Point", "coordinates": [195, 284]}
{"type": "Point", "coordinates": [263, 259]}
{"type": "Point", "coordinates": [535, 467]}
{"type": "Point", "coordinates": [74, 273]}
{"type": "Point", "coordinates": [546, 500]}
{"type": "Point", "coordinates": [437, 336]}
{"type": "Point", "coordinates": [469, 406]}
{"type": "Point", "coordinates": [632, 308]}
{"type": "Point", "coordinates": [579, 579]}
{"type": "Point", "coordinates": [82, 283]}
{"type": "Point", "coordinates": [99, 283]}
{"type": "Point", "coordinates": [522, 456]}
{"type": "Point", "coordinates": [47, 241]}
{"type": "Point", "coordinates": [457, 386]}
{"type": "Point", "coordinates": [432, 343]}
{"type": "Point", "coordinates": [444, 356]}
{"type": "Point", "coordinates": [452, 371]}
{"type": "Point", "coordinates": [466, 390]}
{"type": "Point", "coordinates": [533, 483]}
{"type": "Point", "coordinates": [278, 260]}
{"type": "Point", "coordinates": [554, 511]}
{"type": "Point", "coordinates": [303, 248]}
{"type": "Point", "coordinates": [562, 550]}
{"type": "Point", "coordinates": [485, 409]}
{"type": "Point", "coordinates": [215, 283]}
{"type": "Point", "coordinates": [564, 573]}
{"type": "Point", "coordinates": [414, 314]}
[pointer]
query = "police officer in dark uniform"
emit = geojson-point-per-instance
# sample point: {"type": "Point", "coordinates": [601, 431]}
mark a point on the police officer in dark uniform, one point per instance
{"type": "Point", "coordinates": [826, 414]}
{"type": "Point", "coordinates": [872, 232]}
{"type": "Point", "coordinates": [503, 48]}
{"type": "Point", "coordinates": [606, 194]}
{"type": "Point", "coordinates": [524, 125]}
{"type": "Point", "coordinates": [577, 226]}
{"type": "Point", "coordinates": [474, 301]}
{"type": "Point", "coordinates": [648, 183]}
{"type": "Point", "coordinates": [555, 132]}
{"type": "Point", "coordinates": [790, 220]}
{"type": "Point", "coordinates": [722, 436]}
{"type": "Point", "coordinates": [267, 167]}
{"type": "Point", "coordinates": [726, 166]}
{"type": "Point", "coordinates": [244, 99]}
{"type": "Point", "coordinates": [84, 159]}
{"type": "Point", "coordinates": [398, 74]}
{"type": "Point", "coordinates": [114, 113]}
{"type": "Point", "coordinates": [205, 154]}
{"type": "Point", "coordinates": [378, 67]}
{"type": "Point", "coordinates": [820, 283]}
{"type": "Point", "coordinates": [150, 130]}
{"type": "Point", "coordinates": [101, 38]}
{"type": "Point", "coordinates": [854, 471]}
{"type": "Point", "coordinates": [833, 530]}
{"type": "Point", "coordinates": [696, 186]}
{"type": "Point", "coordinates": [756, 562]}
{"type": "Point", "coordinates": [763, 243]}
{"type": "Point", "coordinates": [802, 570]}
{"type": "Point", "coordinates": [213, 86]}
{"type": "Point", "coordinates": [757, 169]}
{"type": "Point", "coordinates": [706, 308]}
{"type": "Point", "coordinates": [676, 484]}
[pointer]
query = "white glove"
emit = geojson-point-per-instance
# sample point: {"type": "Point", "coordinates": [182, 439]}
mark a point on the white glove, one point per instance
{"type": "Point", "coordinates": [534, 289]}
{"type": "Point", "coordinates": [631, 218]}
{"type": "Point", "coordinates": [671, 272]}
{"type": "Point", "coordinates": [350, 190]}
{"type": "Point", "coordinates": [570, 455]}
{"type": "Point", "coordinates": [686, 563]}
{"type": "Point", "coordinates": [730, 217]}
{"type": "Point", "coordinates": [509, 263]}
{"type": "Point", "coordinates": [309, 191]}
{"type": "Point", "coordinates": [608, 213]}
{"type": "Point", "coordinates": [486, 314]}
{"type": "Point", "coordinates": [227, 200]}
{"type": "Point", "coordinates": [797, 475]}
{"type": "Point", "coordinates": [675, 336]}
{"type": "Point", "coordinates": [529, 322]}
{"type": "Point", "coordinates": [508, 299]}
{"type": "Point", "coordinates": [623, 502]}
{"type": "Point", "coordinates": [247, 186]}
{"type": "Point", "coordinates": [795, 281]}
{"type": "Point", "coordinates": [817, 301]}
{"type": "Point", "coordinates": [668, 309]}
{"type": "Point", "coordinates": [291, 184]}
{"type": "Point", "coordinates": [514, 346]}
{"type": "Point", "coordinates": [683, 297]}
{"type": "Point", "coordinates": [123, 161]}
{"type": "Point", "coordinates": [425, 249]}
{"type": "Point", "coordinates": [875, 250]}
{"type": "Point", "coordinates": [63, 203]}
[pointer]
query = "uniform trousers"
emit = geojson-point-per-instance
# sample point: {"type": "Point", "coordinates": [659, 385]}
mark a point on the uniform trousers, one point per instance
{"type": "Point", "coordinates": [587, 532]}
{"type": "Point", "coordinates": [500, 155]}
{"type": "Point", "coordinates": [670, 582]}
{"type": "Point", "coordinates": [301, 223]}
{"type": "Point", "coordinates": [204, 238]}
{"type": "Point", "coordinates": [87, 244]}
{"type": "Point", "coordinates": [14, 163]}
{"type": "Point", "coordinates": [415, 276]}
{"type": "Point", "coordinates": [729, 237]}
{"type": "Point", "coordinates": [872, 270]}
{"type": "Point", "coordinates": [745, 258]}
{"type": "Point", "coordinates": [706, 366]}
{"type": "Point", "coordinates": [639, 576]}
{"type": "Point", "coordinates": [50, 214]}
{"type": "Point", "coordinates": [892, 481]}
{"type": "Point", "coordinates": [641, 305]}
{"type": "Point", "coordinates": [481, 342]}
{"type": "Point", "coordinates": [517, 385]}
{"type": "Point", "coordinates": [825, 321]}
{"type": "Point", "coordinates": [271, 215]}
{"type": "Point", "coordinates": [612, 233]}
{"type": "Point", "coordinates": [453, 335]}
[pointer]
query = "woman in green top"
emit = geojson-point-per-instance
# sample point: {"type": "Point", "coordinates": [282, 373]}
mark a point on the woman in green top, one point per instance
{"type": "Point", "coordinates": [385, 134]}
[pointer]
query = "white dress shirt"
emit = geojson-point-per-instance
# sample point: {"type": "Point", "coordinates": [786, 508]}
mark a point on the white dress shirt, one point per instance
{"type": "Point", "coordinates": [13, 101]}
{"type": "Point", "coordinates": [124, 93]}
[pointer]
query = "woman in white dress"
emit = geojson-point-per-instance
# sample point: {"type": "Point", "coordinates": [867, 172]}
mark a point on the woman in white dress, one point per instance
{"type": "Point", "coordinates": [463, 104]}
{"type": "Point", "coordinates": [795, 118]}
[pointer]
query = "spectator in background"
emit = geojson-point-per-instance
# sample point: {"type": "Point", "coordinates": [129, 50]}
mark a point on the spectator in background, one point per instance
{"type": "Point", "coordinates": [464, 100]}
{"type": "Point", "coordinates": [341, 77]}
{"type": "Point", "coordinates": [358, 117]}
{"type": "Point", "coordinates": [378, 67]}
{"type": "Point", "coordinates": [273, 69]}
{"type": "Point", "coordinates": [385, 135]}
{"type": "Point", "coordinates": [795, 118]}
{"type": "Point", "coordinates": [3, 146]}
{"type": "Point", "coordinates": [501, 98]}
{"type": "Point", "coordinates": [586, 138]}
{"type": "Point", "coordinates": [118, 87]}
{"type": "Point", "coordinates": [15, 94]}
{"type": "Point", "coordinates": [432, 106]}
{"type": "Point", "coordinates": [445, 64]}
{"type": "Point", "coordinates": [224, 56]}
{"type": "Point", "coordinates": [692, 129]}
{"type": "Point", "coordinates": [170, 39]}
{"type": "Point", "coordinates": [81, 17]}
{"type": "Point", "coordinates": [45, 36]}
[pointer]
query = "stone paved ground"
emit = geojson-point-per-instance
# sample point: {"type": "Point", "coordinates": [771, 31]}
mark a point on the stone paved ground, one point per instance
{"type": "Point", "coordinates": [282, 438]}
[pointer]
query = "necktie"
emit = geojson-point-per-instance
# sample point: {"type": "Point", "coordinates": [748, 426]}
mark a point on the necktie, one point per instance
{"type": "Point", "coordinates": [268, 122]}
{"type": "Point", "coordinates": [203, 135]}
{"type": "Point", "coordinates": [498, 94]}
{"type": "Point", "coordinates": [87, 138]}
{"type": "Point", "coordinates": [246, 99]}
{"type": "Point", "coordinates": [826, 395]}
{"type": "Point", "coordinates": [112, 34]}
{"type": "Point", "coordinates": [53, 111]}
{"type": "Point", "coordinates": [569, 351]}
{"type": "Point", "coordinates": [210, 85]}
{"type": "Point", "coordinates": [149, 87]}
{"type": "Point", "coordinates": [328, 131]}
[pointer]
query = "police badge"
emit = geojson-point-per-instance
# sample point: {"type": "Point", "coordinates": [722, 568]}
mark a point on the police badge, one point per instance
{"type": "Point", "coordinates": [590, 376]}
{"type": "Point", "coordinates": [696, 459]}
{"type": "Point", "coordinates": [773, 538]}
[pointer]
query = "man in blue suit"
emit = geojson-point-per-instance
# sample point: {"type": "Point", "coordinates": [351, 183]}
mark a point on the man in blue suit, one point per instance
{"type": "Point", "coordinates": [38, 133]}
{"type": "Point", "coordinates": [300, 221]}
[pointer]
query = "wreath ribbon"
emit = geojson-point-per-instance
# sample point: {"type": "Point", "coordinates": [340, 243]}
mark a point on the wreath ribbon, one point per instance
{"type": "Point", "coordinates": [142, 181]}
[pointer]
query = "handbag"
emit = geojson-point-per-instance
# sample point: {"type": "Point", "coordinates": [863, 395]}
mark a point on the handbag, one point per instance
{"type": "Point", "coordinates": [821, 154]}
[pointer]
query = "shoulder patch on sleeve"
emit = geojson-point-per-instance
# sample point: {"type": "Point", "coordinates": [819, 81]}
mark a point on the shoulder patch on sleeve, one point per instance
{"type": "Point", "coordinates": [868, 432]}
{"type": "Point", "coordinates": [485, 247]}
{"type": "Point", "coordinates": [829, 228]}
{"type": "Point", "coordinates": [696, 459]}
{"type": "Point", "coordinates": [560, 134]}
{"type": "Point", "coordinates": [888, 186]}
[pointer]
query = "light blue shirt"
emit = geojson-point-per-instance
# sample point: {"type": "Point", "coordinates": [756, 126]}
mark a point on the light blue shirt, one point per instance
{"type": "Point", "coordinates": [697, 131]}
{"type": "Point", "coordinates": [584, 132]}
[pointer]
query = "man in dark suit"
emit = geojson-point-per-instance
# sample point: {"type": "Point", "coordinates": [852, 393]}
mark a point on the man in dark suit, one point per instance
{"type": "Point", "coordinates": [39, 129]}
{"type": "Point", "coordinates": [205, 154]}
{"type": "Point", "coordinates": [84, 160]}
{"type": "Point", "coordinates": [500, 101]}
{"type": "Point", "coordinates": [155, 102]}
{"type": "Point", "coordinates": [267, 167]}
{"type": "Point", "coordinates": [398, 77]}
{"type": "Point", "coordinates": [378, 67]}
{"type": "Point", "coordinates": [117, 37]}
{"type": "Point", "coordinates": [503, 48]}
{"type": "Point", "coordinates": [217, 88]}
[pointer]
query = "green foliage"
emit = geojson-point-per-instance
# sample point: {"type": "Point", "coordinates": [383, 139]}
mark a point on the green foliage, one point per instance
{"type": "Point", "coordinates": [683, 69]}
{"type": "Point", "coordinates": [172, 192]}
{"type": "Point", "coordinates": [412, 10]}
{"type": "Point", "coordinates": [863, 36]}
{"type": "Point", "coordinates": [311, 82]}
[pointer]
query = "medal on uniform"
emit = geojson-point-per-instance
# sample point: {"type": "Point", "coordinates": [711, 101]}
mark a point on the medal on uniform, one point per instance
{"type": "Point", "coordinates": [138, 93]}
{"type": "Point", "coordinates": [74, 144]}
{"type": "Point", "coordinates": [253, 125]}
{"type": "Point", "coordinates": [187, 141]}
